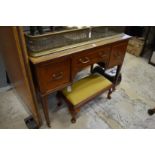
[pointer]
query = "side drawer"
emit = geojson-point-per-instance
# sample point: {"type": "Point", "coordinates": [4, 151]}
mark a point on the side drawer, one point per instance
{"type": "Point", "coordinates": [117, 54]}
{"type": "Point", "coordinates": [53, 74]}
{"type": "Point", "coordinates": [103, 54]}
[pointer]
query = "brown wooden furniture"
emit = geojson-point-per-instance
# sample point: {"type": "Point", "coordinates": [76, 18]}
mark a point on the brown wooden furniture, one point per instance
{"type": "Point", "coordinates": [92, 86]}
{"type": "Point", "coordinates": [55, 71]}
{"type": "Point", "coordinates": [14, 52]}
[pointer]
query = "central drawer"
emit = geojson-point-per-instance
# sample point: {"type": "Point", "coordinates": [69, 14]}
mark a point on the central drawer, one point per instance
{"type": "Point", "coordinates": [53, 75]}
{"type": "Point", "coordinates": [89, 57]}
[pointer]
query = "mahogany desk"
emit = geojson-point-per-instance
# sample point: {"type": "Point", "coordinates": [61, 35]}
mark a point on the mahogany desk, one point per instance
{"type": "Point", "coordinates": [55, 71]}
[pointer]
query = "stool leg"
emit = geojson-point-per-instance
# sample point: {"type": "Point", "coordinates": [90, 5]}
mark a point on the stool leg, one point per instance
{"type": "Point", "coordinates": [74, 114]}
{"type": "Point", "coordinates": [109, 93]}
{"type": "Point", "coordinates": [151, 111]}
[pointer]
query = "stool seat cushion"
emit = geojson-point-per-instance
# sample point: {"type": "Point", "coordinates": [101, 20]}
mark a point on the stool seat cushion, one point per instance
{"type": "Point", "coordinates": [85, 88]}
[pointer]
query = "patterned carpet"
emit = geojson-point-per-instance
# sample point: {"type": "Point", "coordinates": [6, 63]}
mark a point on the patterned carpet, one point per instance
{"type": "Point", "coordinates": [127, 108]}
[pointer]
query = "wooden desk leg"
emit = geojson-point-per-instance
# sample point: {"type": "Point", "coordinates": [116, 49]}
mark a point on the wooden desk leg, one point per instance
{"type": "Point", "coordinates": [45, 109]}
{"type": "Point", "coordinates": [58, 96]}
{"type": "Point", "coordinates": [116, 77]}
{"type": "Point", "coordinates": [109, 93]}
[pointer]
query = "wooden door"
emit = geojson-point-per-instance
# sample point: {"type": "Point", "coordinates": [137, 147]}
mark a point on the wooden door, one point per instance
{"type": "Point", "coordinates": [12, 46]}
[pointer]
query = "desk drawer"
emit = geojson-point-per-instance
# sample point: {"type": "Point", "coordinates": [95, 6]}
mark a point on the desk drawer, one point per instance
{"type": "Point", "coordinates": [117, 54]}
{"type": "Point", "coordinates": [53, 75]}
{"type": "Point", "coordinates": [103, 53]}
{"type": "Point", "coordinates": [91, 56]}
{"type": "Point", "coordinates": [83, 60]}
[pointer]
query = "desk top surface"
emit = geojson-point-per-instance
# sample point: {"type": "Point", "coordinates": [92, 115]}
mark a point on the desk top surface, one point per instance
{"type": "Point", "coordinates": [67, 50]}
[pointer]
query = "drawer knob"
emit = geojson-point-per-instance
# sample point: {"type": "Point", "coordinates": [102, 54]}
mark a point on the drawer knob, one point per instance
{"type": "Point", "coordinates": [85, 60]}
{"type": "Point", "coordinates": [57, 76]}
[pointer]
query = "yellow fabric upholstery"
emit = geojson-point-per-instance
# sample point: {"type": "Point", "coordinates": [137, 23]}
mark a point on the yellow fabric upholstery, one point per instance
{"type": "Point", "coordinates": [85, 88]}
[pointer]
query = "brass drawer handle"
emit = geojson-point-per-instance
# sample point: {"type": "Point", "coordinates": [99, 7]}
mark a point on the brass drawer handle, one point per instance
{"type": "Point", "coordinates": [85, 60]}
{"type": "Point", "coordinates": [57, 76]}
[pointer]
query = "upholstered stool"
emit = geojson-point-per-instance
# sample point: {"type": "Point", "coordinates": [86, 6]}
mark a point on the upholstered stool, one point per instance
{"type": "Point", "coordinates": [83, 91]}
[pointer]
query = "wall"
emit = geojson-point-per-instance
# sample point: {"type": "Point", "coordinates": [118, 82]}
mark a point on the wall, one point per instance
{"type": "Point", "coordinates": [3, 80]}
